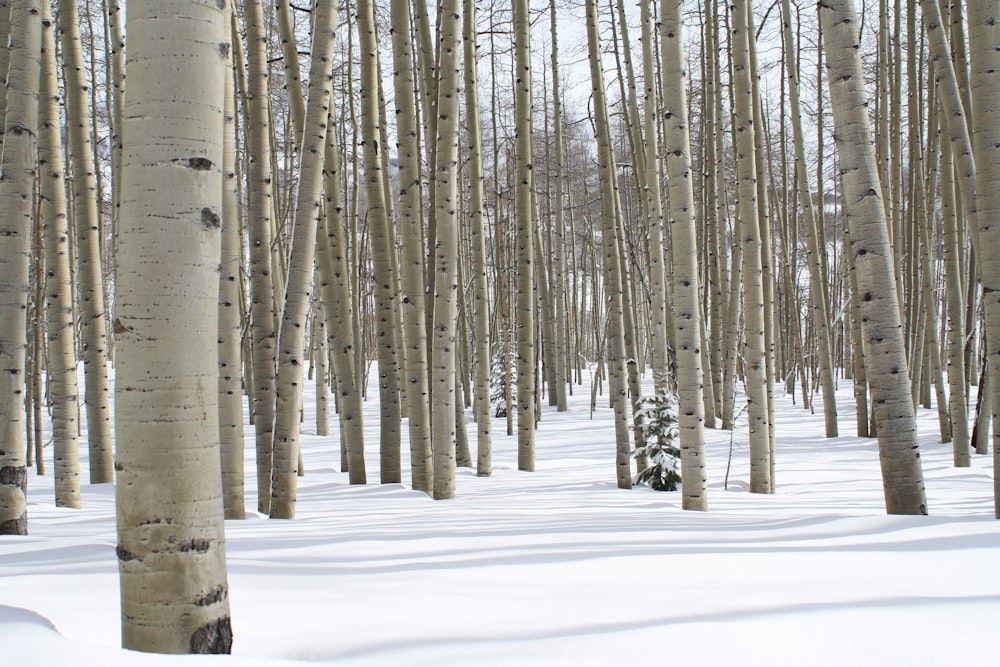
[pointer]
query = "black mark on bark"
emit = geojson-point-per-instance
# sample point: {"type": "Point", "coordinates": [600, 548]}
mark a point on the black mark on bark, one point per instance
{"type": "Point", "coordinates": [124, 555]}
{"type": "Point", "coordinates": [214, 638]}
{"type": "Point", "coordinates": [199, 163]}
{"type": "Point", "coordinates": [14, 476]}
{"type": "Point", "coordinates": [220, 592]}
{"type": "Point", "coordinates": [210, 219]}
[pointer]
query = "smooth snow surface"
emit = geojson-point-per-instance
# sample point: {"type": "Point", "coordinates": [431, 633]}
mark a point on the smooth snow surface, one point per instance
{"type": "Point", "coordinates": [558, 567]}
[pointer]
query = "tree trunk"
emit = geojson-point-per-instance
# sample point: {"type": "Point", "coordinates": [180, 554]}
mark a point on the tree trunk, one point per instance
{"type": "Point", "coordinates": [755, 350]}
{"type": "Point", "coordinates": [902, 477]}
{"type": "Point", "coordinates": [817, 290]}
{"type": "Point", "coordinates": [612, 272]}
{"type": "Point", "coordinates": [308, 209]}
{"type": "Point", "coordinates": [17, 177]}
{"type": "Point", "coordinates": [984, 47]}
{"type": "Point", "coordinates": [230, 363]}
{"type": "Point", "coordinates": [87, 222]}
{"type": "Point", "coordinates": [60, 350]}
{"type": "Point", "coordinates": [259, 209]}
{"type": "Point", "coordinates": [413, 301]}
{"type": "Point", "coordinates": [478, 268]}
{"type": "Point", "coordinates": [171, 541]}
{"type": "Point", "coordinates": [687, 309]}
{"type": "Point", "coordinates": [524, 220]}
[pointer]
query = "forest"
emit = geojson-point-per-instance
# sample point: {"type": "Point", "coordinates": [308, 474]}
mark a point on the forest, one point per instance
{"type": "Point", "coordinates": [413, 231]}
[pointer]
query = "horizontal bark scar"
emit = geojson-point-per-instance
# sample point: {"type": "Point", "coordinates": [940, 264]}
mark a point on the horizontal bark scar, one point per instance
{"type": "Point", "coordinates": [220, 592]}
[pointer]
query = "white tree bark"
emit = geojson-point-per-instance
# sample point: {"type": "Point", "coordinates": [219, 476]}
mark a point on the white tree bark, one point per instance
{"type": "Point", "coordinates": [171, 541]}
{"type": "Point", "coordinates": [687, 310]}
{"type": "Point", "coordinates": [17, 178]}
{"type": "Point", "coordinates": [60, 349]}
{"type": "Point", "coordinates": [87, 220]}
{"type": "Point", "coordinates": [298, 286]}
{"type": "Point", "coordinates": [902, 476]}
{"type": "Point", "coordinates": [984, 50]}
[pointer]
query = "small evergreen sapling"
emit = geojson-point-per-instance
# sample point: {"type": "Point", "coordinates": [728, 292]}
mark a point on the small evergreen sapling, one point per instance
{"type": "Point", "coordinates": [659, 430]}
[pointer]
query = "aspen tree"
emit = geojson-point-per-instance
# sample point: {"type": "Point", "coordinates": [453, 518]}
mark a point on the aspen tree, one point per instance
{"type": "Point", "coordinates": [610, 231]}
{"type": "Point", "coordinates": [17, 177]}
{"type": "Point", "coordinates": [87, 221]}
{"type": "Point", "coordinates": [755, 351]}
{"type": "Point", "coordinates": [321, 356]}
{"type": "Point", "coordinates": [382, 248]}
{"type": "Point", "coordinates": [308, 209]}
{"type": "Point", "coordinates": [687, 317]}
{"type": "Point", "coordinates": [816, 254]}
{"type": "Point", "coordinates": [171, 542]}
{"type": "Point", "coordinates": [259, 222]}
{"type": "Point", "coordinates": [525, 236]}
{"type": "Point", "coordinates": [60, 351]}
{"type": "Point", "coordinates": [230, 364]}
{"type": "Point", "coordinates": [659, 315]}
{"type": "Point", "coordinates": [334, 286]}
{"type": "Point", "coordinates": [4, 57]}
{"type": "Point", "coordinates": [955, 326]}
{"type": "Point", "coordinates": [413, 302]}
{"type": "Point", "coordinates": [984, 50]}
{"type": "Point", "coordinates": [879, 310]}
{"type": "Point", "coordinates": [446, 284]}
{"type": "Point", "coordinates": [477, 238]}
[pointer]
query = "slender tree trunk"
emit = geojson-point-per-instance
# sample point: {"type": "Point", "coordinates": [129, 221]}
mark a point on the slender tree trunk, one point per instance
{"type": "Point", "coordinates": [525, 223]}
{"type": "Point", "coordinates": [884, 350]}
{"type": "Point", "coordinates": [259, 209]}
{"type": "Point", "coordinates": [60, 350]}
{"type": "Point", "coordinates": [446, 285]}
{"type": "Point", "coordinates": [230, 364]}
{"type": "Point", "coordinates": [817, 290]}
{"type": "Point", "coordinates": [308, 209]}
{"type": "Point", "coordinates": [687, 318]}
{"type": "Point", "coordinates": [334, 285]}
{"type": "Point", "coordinates": [755, 351]}
{"type": "Point", "coordinates": [87, 222]}
{"type": "Point", "coordinates": [413, 302]}
{"type": "Point", "coordinates": [17, 177]}
{"type": "Point", "coordinates": [478, 268]}
{"type": "Point", "coordinates": [611, 238]}
{"type": "Point", "coordinates": [171, 541]}
{"type": "Point", "coordinates": [955, 327]}
{"type": "Point", "coordinates": [382, 247]}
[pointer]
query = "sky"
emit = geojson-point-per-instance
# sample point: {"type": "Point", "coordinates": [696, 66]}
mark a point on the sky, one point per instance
{"type": "Point", "coordinates": [559, 567]}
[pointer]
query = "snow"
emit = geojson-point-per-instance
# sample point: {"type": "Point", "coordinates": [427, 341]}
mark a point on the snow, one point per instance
{"type": "Point", "coordinates": [558, 567]}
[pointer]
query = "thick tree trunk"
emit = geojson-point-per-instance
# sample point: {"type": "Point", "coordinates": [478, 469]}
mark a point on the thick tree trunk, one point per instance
{"type": "Point", "coordinates": [171, 541]}
{"type": "Point", "coordinates": [902, 476]}
{"type": "Point", "coordinates": [17, 177]}
{"type": "Point", "coordinates": [984, 47]}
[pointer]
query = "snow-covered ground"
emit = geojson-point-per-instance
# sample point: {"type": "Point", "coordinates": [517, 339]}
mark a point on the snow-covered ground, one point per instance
{"type": "Point", "coordinates": [559, 567]}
